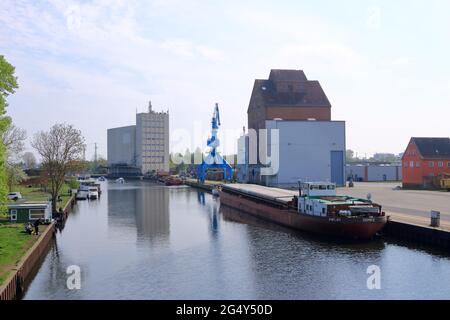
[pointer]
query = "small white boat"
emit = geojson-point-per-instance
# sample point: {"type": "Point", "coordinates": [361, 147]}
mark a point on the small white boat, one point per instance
{"type": "Point", "coordinates": [93, 193]}
{"type": "Point", "coordinates": [120, 181]}
{"type": "Point", "coordinates": [82, 194]}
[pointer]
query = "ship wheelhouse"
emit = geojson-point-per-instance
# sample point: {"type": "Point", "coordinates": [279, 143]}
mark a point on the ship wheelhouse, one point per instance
{"type": "Point", "coordinates": [320, 199]}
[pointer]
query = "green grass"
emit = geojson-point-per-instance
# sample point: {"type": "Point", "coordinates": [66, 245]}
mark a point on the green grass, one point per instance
{"type": "Point", "coordinates": [37, 194]}
{"type": "Point", "coordinates": [32, 194]}
{"type": "Point", "coordinates": [14, 242]}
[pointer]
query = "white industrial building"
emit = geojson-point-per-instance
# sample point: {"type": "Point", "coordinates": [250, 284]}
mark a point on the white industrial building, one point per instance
{"type": "Point", "coordinates": [142, 148]}
{"type": "Point", "coordinates": [374, 172]}
{"type": "Point", "coordinates": [308, 151]}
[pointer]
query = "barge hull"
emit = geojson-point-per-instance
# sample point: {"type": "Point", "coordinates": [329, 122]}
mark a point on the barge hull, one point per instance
{"type": "Point", "coordinates": [355, 228]}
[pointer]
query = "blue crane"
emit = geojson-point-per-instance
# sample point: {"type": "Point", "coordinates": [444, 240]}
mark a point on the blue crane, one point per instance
{"type": "Point", "coordinates": [213, 159]}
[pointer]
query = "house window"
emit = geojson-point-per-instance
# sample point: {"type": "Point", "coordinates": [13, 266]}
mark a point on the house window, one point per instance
{"type": "Point", "coordinates": [13, 215]}
{"type": "Point", "coordinates": [413, 152]}
{"type": "Point", "coordinates": [411, 164]}
{"type": "Point", "coordinates": [431, 164]}
{"type": "Point", "coordinates": [448, 164]}
{"type": "Point", "coordinates": [440, 164]}
{"type": "Point", "coordinates": [418, 164]}
{"type": "Point", "coordinates": [406, 164]}
{"type": "Point", "coordinates": [37, 214]}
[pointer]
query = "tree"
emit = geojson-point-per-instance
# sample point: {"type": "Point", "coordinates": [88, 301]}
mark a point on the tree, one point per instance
{"type": "Point", "coordinates": [14, 142]}
{"type": "Point", "coordinates": [99, 166]}
{"type": "Point", "coordinates": [349, 154]}
{"type": "Point", "coordinates": [14, 176]}
{"type": "Point", "coordinates": [29, 160]}
{"type": "Point", "coordinates": [60, 149]}
{"type": "Point", "coordinates": [8, 84]}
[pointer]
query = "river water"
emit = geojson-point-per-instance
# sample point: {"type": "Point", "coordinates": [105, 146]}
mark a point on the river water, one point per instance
{"type": "Point", "coordinates": [144, 241]}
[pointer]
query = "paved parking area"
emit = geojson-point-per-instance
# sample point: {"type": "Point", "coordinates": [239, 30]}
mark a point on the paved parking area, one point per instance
{"type": "Point", "coordinates": [411, 205]}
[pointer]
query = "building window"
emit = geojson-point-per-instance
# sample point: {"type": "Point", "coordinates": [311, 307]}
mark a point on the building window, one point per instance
{"type": "Point", "coordinates": [448, 164]}
{"type": "Point", "coordinates": [411, 164]}
{"type": "Point", "coordinates": [406, 164]}
{"type": "Point", "coordinates": [431, 164]}
{"type": "Point", "coordinates": [13, 215]}
{"type": "Point", "coordinates": [440, 164]}
{"type": "Point", "coordinates": [413, 152]}
{"type": "Point", "coordinates": [418, 164]}
{"type": "Point", "coordinates": [37, 214]}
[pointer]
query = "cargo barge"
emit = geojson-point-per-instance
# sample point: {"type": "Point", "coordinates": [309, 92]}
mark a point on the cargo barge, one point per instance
{"type": "Point", "coordinates": [314, 208]}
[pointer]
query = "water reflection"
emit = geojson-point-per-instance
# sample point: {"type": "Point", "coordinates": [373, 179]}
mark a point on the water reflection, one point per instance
{"type": "Point", "coordinates": [303, 266]}
{"type": "Point", "coordinates": [152, 212]}
{"type": "Point", "coordinates": [144, 208]}
{"type": "Point", "coordinates": [212, 208]}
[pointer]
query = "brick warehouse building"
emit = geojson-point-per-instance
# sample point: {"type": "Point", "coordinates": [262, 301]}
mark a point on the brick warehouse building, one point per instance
{"type": "Point", "coordinates": [424, 160]}
{"type": "Point", "coordinates": [311, 146]}
{"type": "Point", "coordinates": [287, 95]}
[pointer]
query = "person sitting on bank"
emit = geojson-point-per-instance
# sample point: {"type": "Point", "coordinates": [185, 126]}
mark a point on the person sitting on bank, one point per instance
{"type": "Point", "coordinates": [29, 228]}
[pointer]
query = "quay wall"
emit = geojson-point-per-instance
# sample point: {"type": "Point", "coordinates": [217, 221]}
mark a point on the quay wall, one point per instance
{"type": "Point", "coordinates": [434, 237]}
{"type": "Point", "coordinates": [201, 186]}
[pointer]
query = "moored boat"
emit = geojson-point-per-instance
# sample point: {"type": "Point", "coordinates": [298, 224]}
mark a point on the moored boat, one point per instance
{"type": "Point", "coordinates": [315, 208]}
{"type": "Point", "coordinates": [120, 181]}
{"type": "Point", "coordinates": [173, 181]}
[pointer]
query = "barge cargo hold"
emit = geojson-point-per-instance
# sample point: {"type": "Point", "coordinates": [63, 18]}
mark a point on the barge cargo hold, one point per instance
{"type": "Point", "coordinates": [316, 210]}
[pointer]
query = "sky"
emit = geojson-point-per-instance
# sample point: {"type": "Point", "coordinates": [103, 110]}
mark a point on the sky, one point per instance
{"type": "Point", "coordinates": [383, 64]}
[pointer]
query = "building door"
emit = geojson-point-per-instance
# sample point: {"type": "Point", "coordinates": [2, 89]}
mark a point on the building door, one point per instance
{"type": "Point", "coordinates": [13, 215]}
{"type": "Point", "coordinates": [337, 167]}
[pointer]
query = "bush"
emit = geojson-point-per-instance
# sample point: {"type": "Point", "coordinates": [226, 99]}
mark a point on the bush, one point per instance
{"type": "Point", "coordinates": [73, 184]}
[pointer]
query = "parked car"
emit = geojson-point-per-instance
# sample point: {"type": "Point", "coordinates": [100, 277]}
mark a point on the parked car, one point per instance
{"type": "Point", "coordinates": [14, 196]}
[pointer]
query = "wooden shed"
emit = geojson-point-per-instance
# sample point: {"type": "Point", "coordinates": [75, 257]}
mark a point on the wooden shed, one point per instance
{"type": "Point", "coordinates": [30, 211]}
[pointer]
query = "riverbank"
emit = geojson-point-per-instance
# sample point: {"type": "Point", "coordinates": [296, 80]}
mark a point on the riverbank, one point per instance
{"type": "Point", "coordinates": [21, 253]}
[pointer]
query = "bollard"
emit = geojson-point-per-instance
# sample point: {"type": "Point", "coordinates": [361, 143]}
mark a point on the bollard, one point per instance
{"type": "Point", "coordinates": [435, 219]}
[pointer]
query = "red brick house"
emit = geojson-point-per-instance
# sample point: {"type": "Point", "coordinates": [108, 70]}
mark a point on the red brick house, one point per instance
{"type": "Point", "coordinates": [424, 160]}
